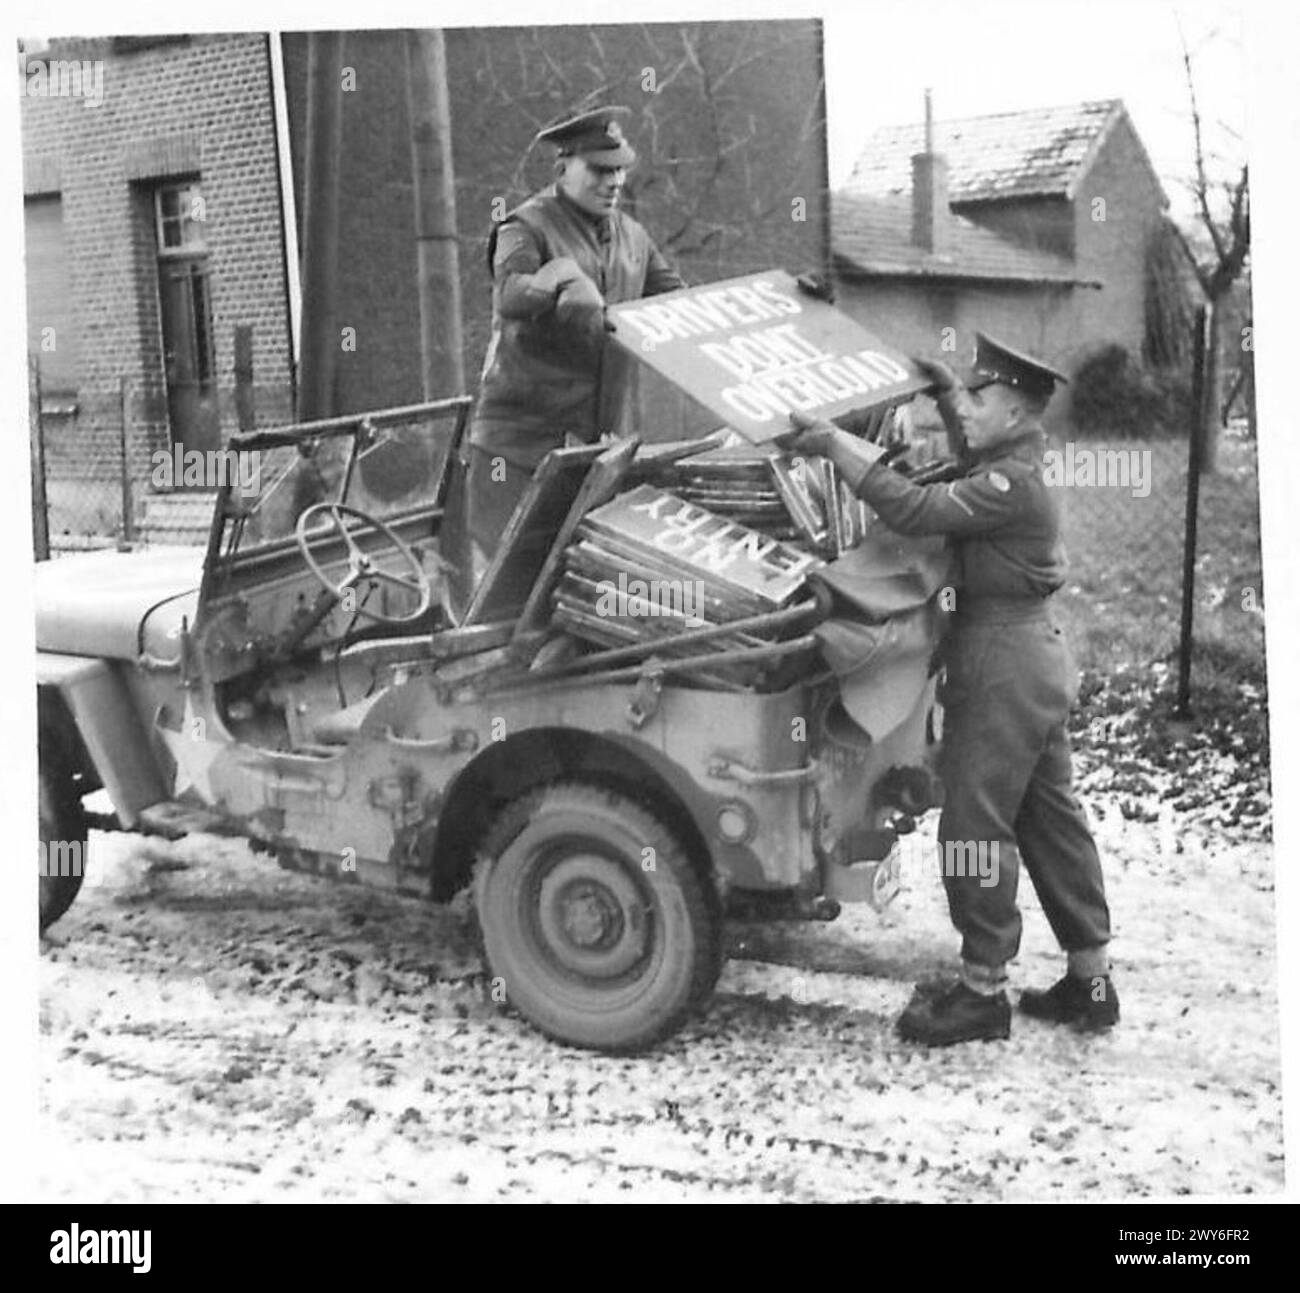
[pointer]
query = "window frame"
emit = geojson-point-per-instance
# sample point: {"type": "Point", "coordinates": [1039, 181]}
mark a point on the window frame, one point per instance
{"type": "Point", "coordinates": [185, 188]}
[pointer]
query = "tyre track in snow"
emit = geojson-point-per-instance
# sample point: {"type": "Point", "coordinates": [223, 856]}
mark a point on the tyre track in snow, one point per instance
{"type": "Point", "coordinates": [213, 1028]}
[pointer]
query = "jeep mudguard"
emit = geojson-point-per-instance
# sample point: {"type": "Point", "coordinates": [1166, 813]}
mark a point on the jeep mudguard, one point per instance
{"type": "Point", "coordinates": [91, 697]}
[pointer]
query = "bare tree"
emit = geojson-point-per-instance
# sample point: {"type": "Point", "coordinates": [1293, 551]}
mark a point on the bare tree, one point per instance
{"type": "Point", "coordinates": [1219, 267]}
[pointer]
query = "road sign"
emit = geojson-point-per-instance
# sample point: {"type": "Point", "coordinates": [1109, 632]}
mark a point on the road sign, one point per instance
{"type": "Point", "coordinates": [754, 349]}
{"type": "Point", "coordinates": [703, 545]}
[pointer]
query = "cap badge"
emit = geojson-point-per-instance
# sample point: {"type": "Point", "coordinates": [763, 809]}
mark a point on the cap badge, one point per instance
{"type": "Point", "coordinates": [999, 482]}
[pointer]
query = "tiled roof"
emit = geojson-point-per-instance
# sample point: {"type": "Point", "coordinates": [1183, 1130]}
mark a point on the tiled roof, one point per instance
{"type": "Point", "coordinates": [1041, 151]}
{"type": "Point", "coordinates": [873, 235]}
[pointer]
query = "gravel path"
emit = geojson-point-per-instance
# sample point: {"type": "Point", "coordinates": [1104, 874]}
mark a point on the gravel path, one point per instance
{"type": "Point", "coordinates": [214, 1029]}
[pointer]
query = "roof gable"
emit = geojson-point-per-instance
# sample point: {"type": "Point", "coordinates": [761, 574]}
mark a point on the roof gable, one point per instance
{"type": "Point", "coordinates": [1039, 152]}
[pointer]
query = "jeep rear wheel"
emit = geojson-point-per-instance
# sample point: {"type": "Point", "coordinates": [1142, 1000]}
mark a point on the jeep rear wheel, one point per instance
{"type": "Point", "coordinates": [63, 839]}
{"type": "Point", "coordinates": [595, 918]}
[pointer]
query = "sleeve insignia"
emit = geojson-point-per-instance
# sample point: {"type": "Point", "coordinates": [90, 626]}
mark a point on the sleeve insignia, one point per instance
{"type": "Point", "coordinates": [957, 498]}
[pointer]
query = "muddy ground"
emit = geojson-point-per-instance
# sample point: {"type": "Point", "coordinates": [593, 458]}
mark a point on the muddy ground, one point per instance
{"type": "Point", "coordinates": [214, 1029]}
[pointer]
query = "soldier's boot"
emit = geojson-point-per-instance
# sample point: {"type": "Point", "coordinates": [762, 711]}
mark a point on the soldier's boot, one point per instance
{"type": "Point", "coordinates": [959, 1014]}
{"type": "Point", "coordinates": [1089, 1005]}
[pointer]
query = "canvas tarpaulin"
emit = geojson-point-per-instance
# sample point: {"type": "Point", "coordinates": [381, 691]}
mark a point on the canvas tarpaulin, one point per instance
{"type": "Point", "coordinates": [884, 625]}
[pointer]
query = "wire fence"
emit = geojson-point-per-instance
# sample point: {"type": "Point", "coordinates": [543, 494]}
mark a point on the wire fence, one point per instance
{"type": "Point", "coordinates": [1128, 574]}
{"type": "Point", "coordinates": [107, 473]}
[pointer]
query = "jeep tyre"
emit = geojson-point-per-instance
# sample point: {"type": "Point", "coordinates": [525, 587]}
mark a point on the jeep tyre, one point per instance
{"type": "Point", "coordinates": [62, 835]}
{"type": "Point", "coordinates": [595, 918]}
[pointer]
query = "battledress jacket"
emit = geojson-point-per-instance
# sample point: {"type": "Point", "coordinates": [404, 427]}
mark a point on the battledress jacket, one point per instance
{"type": "Point", "coordinates": [1001, 518]}
{"type": "Point", "coordinates": [550, 371]}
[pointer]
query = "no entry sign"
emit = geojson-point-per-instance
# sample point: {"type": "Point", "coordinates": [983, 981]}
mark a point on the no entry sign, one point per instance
{"type": "Point", "coordinates": [754, 349]}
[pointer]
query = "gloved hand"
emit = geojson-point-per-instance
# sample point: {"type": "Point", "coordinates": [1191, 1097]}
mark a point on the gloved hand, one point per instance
{"type": "Point", "coordinates": [580, 305]}
{"type": "Point", "coordinates": [938, 373]}
{"type": "Point", "coordinates": [580, 318]}
{"type": "Point", "coordinates": [557, 273]}
{"type": "Point", "coordinates": [947, 386]}
{"type": "Point", "coordinates": [808, 435]}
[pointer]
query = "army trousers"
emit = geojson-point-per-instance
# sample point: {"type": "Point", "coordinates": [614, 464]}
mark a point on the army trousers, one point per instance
{"type": "Point", "coordinates": [483, 491]}
{"type": "Point", "coordinates": [1005, 766]}
{"type": "Point", "coordinates": [493, 488]}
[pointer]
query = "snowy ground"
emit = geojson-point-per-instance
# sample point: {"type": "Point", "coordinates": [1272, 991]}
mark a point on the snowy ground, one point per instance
{"type": "Point", "coordinates": [215, 1029]}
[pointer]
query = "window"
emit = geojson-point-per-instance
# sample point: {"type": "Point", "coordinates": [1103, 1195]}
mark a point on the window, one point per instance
{"type": "Point", "coordinates": [180, 214]}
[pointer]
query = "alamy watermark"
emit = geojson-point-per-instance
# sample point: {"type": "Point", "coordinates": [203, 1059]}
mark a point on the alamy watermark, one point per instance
{"type": "Point", "coordinates": [75, 1246]}
{"type": "Point", "coordinates": [63, 78]}
{"type": "Point", "coordinates": [68, 858]}
{"type": "Point", "coordinates": [920, 857]}
{"type": "Point", "coordinates": [205, 469]}
{"type": "Point", "coordinates": [1114, 468]}
{"type": "Point", "coordinates": [61, 857]}
{"type": "Point", "coordinates": [637, 598]}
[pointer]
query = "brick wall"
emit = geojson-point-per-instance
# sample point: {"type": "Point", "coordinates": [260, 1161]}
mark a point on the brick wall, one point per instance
{"type": "Point", "coordinates": [201, 106]}
{"type": "Point", "coordinates": [729, 141]}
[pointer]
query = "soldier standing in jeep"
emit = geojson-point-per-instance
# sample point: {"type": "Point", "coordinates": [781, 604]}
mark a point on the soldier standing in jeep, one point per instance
{"type": "Point", "coordinates": [556, 261]}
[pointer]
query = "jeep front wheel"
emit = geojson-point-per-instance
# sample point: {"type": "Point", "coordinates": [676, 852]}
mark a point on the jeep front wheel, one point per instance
{"type": "Point", "coordinates": [594, 917]}
{"type": "Point", "coordinates": [63, 840]}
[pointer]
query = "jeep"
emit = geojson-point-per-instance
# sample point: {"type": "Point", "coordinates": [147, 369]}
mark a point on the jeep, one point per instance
{"type": "Point", "coordinates": [301, 683]}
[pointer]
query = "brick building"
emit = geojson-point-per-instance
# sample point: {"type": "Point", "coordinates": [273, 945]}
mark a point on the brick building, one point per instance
{"type": "Point", "coordinates": [1035, 226]}
{"type": "Point", "coordinates": [155, 214]}
{"type": "Point", "coordinates": [152, 209]}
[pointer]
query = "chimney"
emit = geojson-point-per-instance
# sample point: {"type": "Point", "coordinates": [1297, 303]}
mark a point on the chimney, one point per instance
{"type": "Point", "coordinates": [931, 222]}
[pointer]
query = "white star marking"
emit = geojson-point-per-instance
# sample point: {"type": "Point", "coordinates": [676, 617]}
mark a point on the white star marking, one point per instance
{"type": "Point", "coordinates": [194, 753]}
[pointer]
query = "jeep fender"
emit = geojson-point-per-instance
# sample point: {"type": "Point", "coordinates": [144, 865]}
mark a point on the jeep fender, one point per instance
{"type": "Point", "coordinates": [92, 698]}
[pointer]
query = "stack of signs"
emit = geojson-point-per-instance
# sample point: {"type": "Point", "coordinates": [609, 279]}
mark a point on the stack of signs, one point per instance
{"type": "Point", "coordinates": [735, 483]}
{"type": "Point", "coordinates": [736, 532]}
{"type": "Point", "coordinates": [783, 497]}
{"type": "Point", "coordinates": [650, 565]}
{"type": "Point", "coordinates": [825, 511]}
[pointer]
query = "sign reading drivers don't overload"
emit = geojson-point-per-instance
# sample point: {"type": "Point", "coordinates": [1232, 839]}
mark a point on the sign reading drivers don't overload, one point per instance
{"type": "Point", "coordinates": [755, 349]}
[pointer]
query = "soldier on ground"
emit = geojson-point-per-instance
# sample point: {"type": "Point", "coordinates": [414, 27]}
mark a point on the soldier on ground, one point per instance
{"type": "Point", "coordinates": [1008, 688]}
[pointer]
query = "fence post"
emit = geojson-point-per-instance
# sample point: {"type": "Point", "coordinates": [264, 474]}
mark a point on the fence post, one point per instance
{"type": "Point", "coordinates": [1194, 446]}
{"type": "Point", "coordinates": [128, 515]}
{"type": "Point", "coordinates": [36, 429]}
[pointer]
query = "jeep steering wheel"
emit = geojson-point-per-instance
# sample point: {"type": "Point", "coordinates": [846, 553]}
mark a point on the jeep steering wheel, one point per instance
{"type": "Point", "coordinates": [360, 566]}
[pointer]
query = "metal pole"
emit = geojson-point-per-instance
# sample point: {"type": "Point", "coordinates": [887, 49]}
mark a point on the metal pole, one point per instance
{"type": "Point", "coordinates": [128, 519]}
{"type": "Point", "coordinates": [826, 258]}
{"type": "Point", "coordinates": [442, 368]}
{"type": "Point", "coordinates": [320, 225]}
{"type": "Point", "coordinates": [40, 504]}
{"type": "Point", "coordinates": [288, 199]}
{"type": "Point", "coordinates": [1194, 447]}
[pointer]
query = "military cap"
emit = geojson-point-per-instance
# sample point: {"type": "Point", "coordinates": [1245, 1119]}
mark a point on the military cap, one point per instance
{"type": "Point", "coordinates": [996, 362]}
{"type": "Point", "coordinates": [595, 135]}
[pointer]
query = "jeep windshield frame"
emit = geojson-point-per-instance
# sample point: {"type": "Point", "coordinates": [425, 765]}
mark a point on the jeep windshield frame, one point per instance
{"type": "Point", "coordinates": [343, 445]}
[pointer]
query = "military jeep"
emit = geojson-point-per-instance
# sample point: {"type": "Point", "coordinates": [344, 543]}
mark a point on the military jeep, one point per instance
{"type": "Point", "coordinates": [301, 683]}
